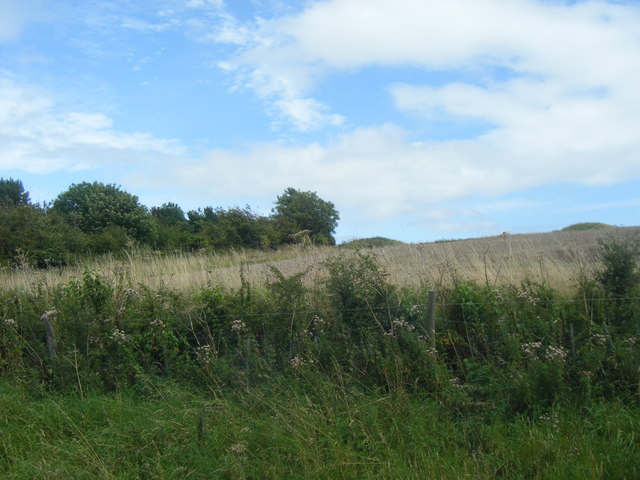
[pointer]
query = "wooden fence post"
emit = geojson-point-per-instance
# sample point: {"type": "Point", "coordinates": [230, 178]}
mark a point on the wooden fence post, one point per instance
{"type": "Point", "coordinates": [48, 328]}
{"type": "Point", "coordinates": [431, 316]}
{"type": "Point", "coordinates": [247, 352]}
{"type": "Point", "coordinates": [573, 340]}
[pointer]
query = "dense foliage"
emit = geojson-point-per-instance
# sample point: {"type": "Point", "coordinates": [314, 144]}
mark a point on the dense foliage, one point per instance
{"type": "Point", "coordinates": [12, 193]}
{"type": "Point", "coordinates": [94, 218]}
{"type": "Point", "coordinates": [308, 212]}
{"type": "Point", "coordinates": [95, 207]}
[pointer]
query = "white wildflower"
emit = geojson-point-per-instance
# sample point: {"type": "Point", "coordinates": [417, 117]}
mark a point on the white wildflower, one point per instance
{"type": "Point", "coordinates": [205, 354]}
{"type": "Point", "coordinates": [118, 336]}
{"type": "Point", "coordinates": [455, 382]}
{"type": "Point", "coordinates": [130, 292]}
{"type": "Point", "coordinates": [298, 361]}
{"type": "Point", "coordinates": [157, 323]}
{"type": "Point", "coordinates": [10, 322]}
{"type": "Point", "coordinates": [318, 323]}
{"type": "Point", "coordinates": [239, 449]}
{"type": "Point", "coordinates": [531, 349]}
{"type": "Point", "coordinates": [402, 323]}
{"type": "Point", "coordinates": [551, 419]}
{"type": "Point", "coordinates": [556, 354]}
{"type": "Point", "coordinates": [239, 327]}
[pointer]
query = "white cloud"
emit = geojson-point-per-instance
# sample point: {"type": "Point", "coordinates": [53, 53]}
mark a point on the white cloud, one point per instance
{"type": "Point", "coordinates": [556, 89]}
{"type": "Point", "coordinates": [143, 26]}
{"type": "Point", "coordinates": [307, 113]}
{"type": "Point", "coordinates": [377, 172]}
{"type": "Point", "coordinates": [204, 3]}
{"type": "Point", "coordinates": [37, 137]}
{"type": "Point", "coordinates": [560, 52]}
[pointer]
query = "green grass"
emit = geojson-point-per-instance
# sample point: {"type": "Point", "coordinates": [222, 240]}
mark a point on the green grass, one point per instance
{"type": "Point", "coordinates": [372, 242]}
{"type": "Point", "coordinates": [579, 227]}
{"type": "Point", "coordinates": [307, 429]}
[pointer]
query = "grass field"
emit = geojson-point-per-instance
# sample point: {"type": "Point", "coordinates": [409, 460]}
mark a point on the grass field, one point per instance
{"type": "Point", "coordinates": [558, 259]}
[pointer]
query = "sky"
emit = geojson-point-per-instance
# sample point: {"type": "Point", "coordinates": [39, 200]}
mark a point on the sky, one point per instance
{"type": "Point", "coordinates": [419, 119]}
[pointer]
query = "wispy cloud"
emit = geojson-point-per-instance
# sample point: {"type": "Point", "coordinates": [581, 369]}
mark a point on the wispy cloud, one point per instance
{"type": "Point", "coordinates": [630, 203]}
{"type": "Point", "coordinates": [15, 15]}
{"type": "Point", "coordinates": [555, 84]}
{"type": "Point", "coordinates": [378, 173]}
{"type": "Point", "coordinates": [555, 52]}
{"type": "Point", "coordinates": [37, 136]}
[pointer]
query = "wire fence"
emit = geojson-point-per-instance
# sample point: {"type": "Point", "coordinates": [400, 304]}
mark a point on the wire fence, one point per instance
{"type": "Point", "coordinates": [201, 328]}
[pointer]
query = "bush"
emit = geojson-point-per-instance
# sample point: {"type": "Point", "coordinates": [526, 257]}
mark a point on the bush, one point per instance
{"type": "Point", "coordinates": [619, 274]}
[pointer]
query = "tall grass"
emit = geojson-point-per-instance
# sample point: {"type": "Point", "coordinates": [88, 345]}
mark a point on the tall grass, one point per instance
{"type": "Point", "coordinates": [559, 259]}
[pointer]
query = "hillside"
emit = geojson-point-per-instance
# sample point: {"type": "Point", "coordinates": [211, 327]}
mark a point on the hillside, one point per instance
{"type": "Point", "coordinates": [557, 258]}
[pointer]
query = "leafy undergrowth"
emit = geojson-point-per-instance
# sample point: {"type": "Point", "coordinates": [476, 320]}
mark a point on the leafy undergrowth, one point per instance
{"type": "Point", "coordinates": [308, 429]}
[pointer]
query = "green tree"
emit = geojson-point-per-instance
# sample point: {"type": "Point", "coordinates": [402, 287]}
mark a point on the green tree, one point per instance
{"type": "Point", "coordinates": [12, 193]}
{"type": "Point", "coordinates": [172, 229]}
{"type": "Point", "coordinates": [94, 207]}
{"type": "Point", "coordinates": [169, 214]}
{"type": "Point", "coordinates": [233, 227]}
{"type": "Point", "coordinates": [309, 212]}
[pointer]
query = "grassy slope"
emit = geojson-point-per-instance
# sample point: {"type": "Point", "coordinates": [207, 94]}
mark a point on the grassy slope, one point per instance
{"type": "Point", "coordinates": [559, 259]}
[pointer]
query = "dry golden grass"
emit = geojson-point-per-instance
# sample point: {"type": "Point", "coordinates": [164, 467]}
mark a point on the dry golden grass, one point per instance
{"type": "Point", "coordinates": [559, 259]}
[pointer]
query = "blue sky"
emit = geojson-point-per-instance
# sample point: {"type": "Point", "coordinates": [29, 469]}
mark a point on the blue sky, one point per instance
{"type": "Point", "coordinates": [419, 119]}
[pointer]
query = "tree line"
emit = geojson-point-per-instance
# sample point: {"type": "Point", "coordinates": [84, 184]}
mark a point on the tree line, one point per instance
{"type": "Point", "coordinates": [96, 218]}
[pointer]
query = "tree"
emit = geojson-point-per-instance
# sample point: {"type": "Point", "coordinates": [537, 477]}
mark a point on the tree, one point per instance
{"type": "Point", "coordinates": [12, 193]}
{"type": "Point", "coordinates": [94, 207]}
{"type": "Point", "coordinates": [308, 212]}
{"type": "Point", "coordinates": [169, 214]}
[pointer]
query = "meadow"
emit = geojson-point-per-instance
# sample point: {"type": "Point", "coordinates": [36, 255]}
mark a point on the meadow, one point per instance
{"type": "Point", "coordinates": [558, 259]}
{"type": "Point", "coordinates": [318, 362]}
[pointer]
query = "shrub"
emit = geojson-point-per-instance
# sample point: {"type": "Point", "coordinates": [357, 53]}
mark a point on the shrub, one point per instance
{"type": "Point", "coordinates": [619, 274]}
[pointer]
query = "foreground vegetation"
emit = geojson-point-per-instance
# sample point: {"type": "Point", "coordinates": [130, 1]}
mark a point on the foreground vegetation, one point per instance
{"type": "Point", "coordinates": [337, 377]}
{"type": "Point", "coordinates": [308, 429]}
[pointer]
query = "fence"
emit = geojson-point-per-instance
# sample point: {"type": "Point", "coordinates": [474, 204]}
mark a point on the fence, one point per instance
{"type": "Point", "coordinates": [462, 351]}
